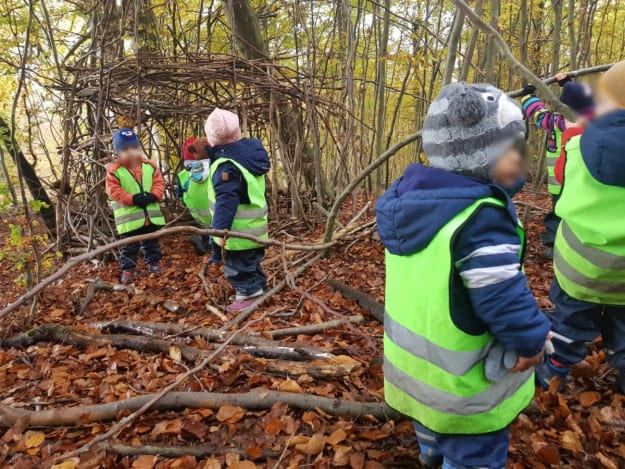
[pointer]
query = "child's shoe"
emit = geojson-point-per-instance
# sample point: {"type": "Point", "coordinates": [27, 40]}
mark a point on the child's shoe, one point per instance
{"type": "Point", "coordinates": [547, 370]}
{"type": "Point", "coordinates": [156, 267]}
{"type": "Point", "coordinates": [127, 276]}
{"type": "Point", "coordinates": [243, 302]}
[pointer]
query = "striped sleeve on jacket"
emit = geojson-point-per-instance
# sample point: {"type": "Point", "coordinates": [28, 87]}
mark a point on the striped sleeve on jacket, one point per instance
{"type": "Point", "coordinates": [486, 255]}
{"type": "Point", "coordinates": [536, 111]}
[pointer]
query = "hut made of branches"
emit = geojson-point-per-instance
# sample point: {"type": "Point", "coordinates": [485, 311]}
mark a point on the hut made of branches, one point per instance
{"type": "Point", "coordinates": [166, 100]}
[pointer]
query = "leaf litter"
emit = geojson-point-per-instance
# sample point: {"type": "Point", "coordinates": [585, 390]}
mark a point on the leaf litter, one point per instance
{"type": "Point", "coordinates": [582, 428]}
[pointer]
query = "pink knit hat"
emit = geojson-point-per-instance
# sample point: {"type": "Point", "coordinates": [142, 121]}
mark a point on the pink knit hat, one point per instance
{"type": "Point", "coordinates": [222, 127]}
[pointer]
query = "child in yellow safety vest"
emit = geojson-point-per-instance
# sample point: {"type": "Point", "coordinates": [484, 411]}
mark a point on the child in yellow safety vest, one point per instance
{"type": "Point", "coordinates": [135, 186]}
{"type": "Point", "coordinates": [236, 197]}
{"type": "Point", "coordinates": [588, 291]}
{"type": "Point", "coordinates": [462, 331]}
{"type": "Point", "coordinates": [579, 98]}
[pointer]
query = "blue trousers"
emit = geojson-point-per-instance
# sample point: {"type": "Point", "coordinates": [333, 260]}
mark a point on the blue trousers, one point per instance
{"type": "Point", "coordinates": [244, 272]}
{"type": "Point", "coordinates": [584, 322]}
{"type": "Point", "coordinates": [487, 451]}
{"type": "Point", "coordinates": [130, 252]}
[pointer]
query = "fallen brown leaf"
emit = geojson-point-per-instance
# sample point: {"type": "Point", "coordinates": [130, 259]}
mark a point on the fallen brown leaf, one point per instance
{"type": "Point", "coordinates": [230, 414]}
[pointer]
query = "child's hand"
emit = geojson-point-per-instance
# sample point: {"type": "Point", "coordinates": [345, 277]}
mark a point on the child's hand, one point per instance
{"type": "Point", "coordinates": [524, 364]}
{"type": "Point", "coordinates": [562, 78]}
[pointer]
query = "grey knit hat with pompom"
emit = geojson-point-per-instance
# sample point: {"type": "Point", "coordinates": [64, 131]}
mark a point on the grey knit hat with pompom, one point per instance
{"type": "Point", "coordinates": [468, 128]}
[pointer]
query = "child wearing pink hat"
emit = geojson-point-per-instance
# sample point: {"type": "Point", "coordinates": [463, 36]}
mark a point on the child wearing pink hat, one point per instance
{"type": "Point", "coordinates": [237, 200]}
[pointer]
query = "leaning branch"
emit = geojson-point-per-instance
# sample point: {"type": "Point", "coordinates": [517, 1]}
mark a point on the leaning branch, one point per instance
{"type": "Point", "coordinates": [259, 399]}
{"type": "Point", "coordinates": [361, 177]}
{"type": "Point", "coordinates": [146, 237]}
{"type": "Point", "coordinates": [521, 69]}
{"type": "Point", "coordinates": [572, 74]}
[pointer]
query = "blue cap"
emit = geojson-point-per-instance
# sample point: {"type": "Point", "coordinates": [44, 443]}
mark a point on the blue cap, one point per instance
{"type": "Point", "coordinates": [125, 138]}
{"type": "Point", "coordinates": [577, 96]}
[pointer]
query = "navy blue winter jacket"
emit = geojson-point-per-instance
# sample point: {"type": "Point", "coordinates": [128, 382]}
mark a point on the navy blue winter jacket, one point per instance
{"type": "Point", "coordinates": [232, 190]}
{"type": "Point", "coordinates": [489, 291]}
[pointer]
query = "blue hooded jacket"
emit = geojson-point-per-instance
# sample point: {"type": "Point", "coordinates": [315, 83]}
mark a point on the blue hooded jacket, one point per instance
{"type": "Point", "coordinates": [489, 291]}
{"type": "Point", "coordinates": [602, 148]}
{"type": "Point", "coordinates": [231, 191]}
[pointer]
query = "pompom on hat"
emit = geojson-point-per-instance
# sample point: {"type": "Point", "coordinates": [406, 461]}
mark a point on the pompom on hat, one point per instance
{"type": "Point", "coordinates": [222, 127]}
{"type": "Point", "coordinates": [469, 127]}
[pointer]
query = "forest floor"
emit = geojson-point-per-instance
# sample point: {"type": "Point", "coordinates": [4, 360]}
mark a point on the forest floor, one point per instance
{"type": "Point", "coordinates": [582, 428]}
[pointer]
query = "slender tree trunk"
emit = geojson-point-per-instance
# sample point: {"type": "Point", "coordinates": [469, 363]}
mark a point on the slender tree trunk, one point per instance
{"type": "Point", "coordinates": [452, 47]}
{"type": "Point", "coordinates": [557, 30]}
{"type": "Point", "coordinates": [34, 184]}
{"type": "Point", "coordinates": [491, 48]}
{"type": "Point", "coordinates": [380, 107]}
{"type": "Point", "coordinates": [572, 34]}
{"type": "Point", "coordinates": [468, 55]}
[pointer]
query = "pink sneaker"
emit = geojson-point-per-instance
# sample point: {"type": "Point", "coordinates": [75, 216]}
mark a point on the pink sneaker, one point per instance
{"type": "Point", "coordinates": [240, 305]}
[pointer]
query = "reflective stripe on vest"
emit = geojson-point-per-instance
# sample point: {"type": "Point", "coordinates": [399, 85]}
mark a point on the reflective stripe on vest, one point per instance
{"type": "Point", "coordinates": [552, 158]}
{"type": "Point", "coordinates": [252, 218]}
{"type": "Point", "coordinates": [589, 255]}
{"type": "Point", "coordinates": [128, 217]}
{"type": "Point", "coordinates": [433, 371]}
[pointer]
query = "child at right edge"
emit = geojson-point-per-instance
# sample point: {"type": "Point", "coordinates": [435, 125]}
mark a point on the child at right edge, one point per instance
{"type": "Point", "coordinates": [462, 331]}
{"type": "Point", "coordinates": [588, 291]}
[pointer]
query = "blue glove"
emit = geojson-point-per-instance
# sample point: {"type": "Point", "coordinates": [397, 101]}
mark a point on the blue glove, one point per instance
{"type": "Point", "coordinates": [139, 200]}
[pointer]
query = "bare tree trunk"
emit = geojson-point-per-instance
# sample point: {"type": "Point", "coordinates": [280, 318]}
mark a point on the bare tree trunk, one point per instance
{"type": "Point", "coordinates": [491, 48]}
{"type": "Point", "coordinates": [452, 47]}
{"type": "Point", "coordinates": [380, 106]}
{"type": "Point", "coordinates": [572, 35]}
{"type": "Point", "coordinates": [557, 30]}
{"type": "Point", "coordinates": [28, 173]}
{"type": "Point", "coordinates": [468, 55]}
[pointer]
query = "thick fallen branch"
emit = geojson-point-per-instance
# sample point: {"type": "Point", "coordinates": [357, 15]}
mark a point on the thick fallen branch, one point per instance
{"type": "Point", "coordinates": [72, 262]}
{"type": "Point", "coordinates": [199, 451]}
{"type": "Point", "coordinates": [100, 285]}
{"type": "Point", "coordinates": [369, 303]}
{"type": "Point", "coordinates": [281, 365]}
{"type": "Point", "coordinates": [65, 335]}
{"type": "Point", "coordinates": [154, 399]}
{"type": "Point", "coordinates": [259, 399]}
{"type": "Point", "coordinates": [314, 328]}
{"type": "Point", "coordinates": [527, 75]}
{"type": "Point", "coordinates": [297, 350]}
{"type": "Point", "coordinates": [334, 368]}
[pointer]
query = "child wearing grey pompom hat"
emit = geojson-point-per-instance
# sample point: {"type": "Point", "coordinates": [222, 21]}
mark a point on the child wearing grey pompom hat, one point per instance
{"type": "Point", "coordinates": [462, 330]}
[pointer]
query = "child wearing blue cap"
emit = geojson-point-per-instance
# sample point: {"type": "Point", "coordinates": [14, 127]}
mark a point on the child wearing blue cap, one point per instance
{"type": "Point", "coordinates": [135, 187]}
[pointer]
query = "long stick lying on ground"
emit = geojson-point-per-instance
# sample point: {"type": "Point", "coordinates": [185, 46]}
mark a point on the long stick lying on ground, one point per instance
{"type": "Point", "coordinates": [146, 237]}
{"type": "Point", "coordinates": [199, 451]}
{"type": "Point", "coordinates": [314, 328]}
{"type": "Point", "coordinates": [258, 399]}
{"type": "Point", "coordinates": [276, 359]}
{"type": "Point", "coordinates": [154, 399]}
{"type": "Point", "coordinates": [215, 335]}
{"type": "Point", "coordinates": [521, 69]}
